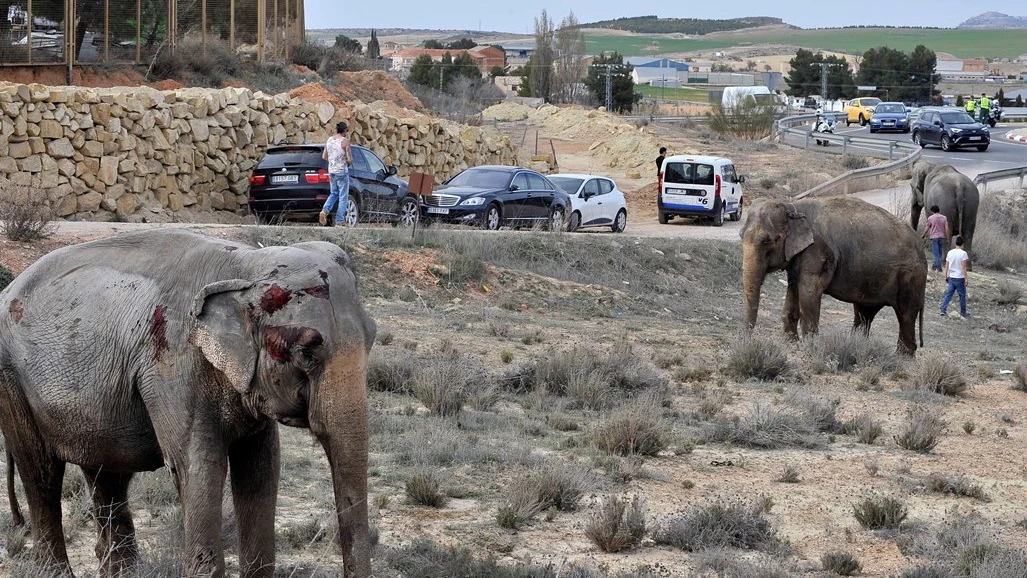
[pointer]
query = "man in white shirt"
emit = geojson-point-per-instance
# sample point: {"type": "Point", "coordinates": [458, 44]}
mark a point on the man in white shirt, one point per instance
{"type": "Point", "coordinates": [339, 157]}
{"type": "Point", "coordinates": [955, 275]}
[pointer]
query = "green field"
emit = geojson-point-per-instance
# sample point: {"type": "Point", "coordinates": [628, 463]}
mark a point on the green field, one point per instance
{"type": "Point", "coordinates": [689, 94]}
{"type": "Point", "coordinates": [960, 43]}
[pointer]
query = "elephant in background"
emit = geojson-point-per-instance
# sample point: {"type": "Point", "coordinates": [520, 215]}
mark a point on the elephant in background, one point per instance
{"type": "Point", "coordinates": [843, 247]}
{"type": "Point", "coordinates": [169, 348]}
{"type": "Point", "coordinates": [955, 194]}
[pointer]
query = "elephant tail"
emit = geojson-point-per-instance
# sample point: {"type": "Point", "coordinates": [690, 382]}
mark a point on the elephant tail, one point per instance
{"type": "Point", "coordinates": [921, 326]}
{"type": "Point", "coordinates": [12, 496]}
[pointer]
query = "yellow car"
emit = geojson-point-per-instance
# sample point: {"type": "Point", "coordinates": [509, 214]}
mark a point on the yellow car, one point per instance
{"type": "Point", "coordinates": [860, 110]}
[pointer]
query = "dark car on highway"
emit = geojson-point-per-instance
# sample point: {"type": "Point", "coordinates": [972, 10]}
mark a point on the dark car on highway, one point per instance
{"type": "Point", "coordinates": [494, 196]}
{"type": "Point", "coordinates": [950, 128]}
{"type": "Point", "coordinates": [291, 182]}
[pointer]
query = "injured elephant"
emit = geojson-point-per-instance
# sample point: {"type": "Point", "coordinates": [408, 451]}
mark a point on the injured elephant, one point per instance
{"type": "Point", "coordinates": [843, 247]}
{"type": "Point", "coordinates": [172, 349]}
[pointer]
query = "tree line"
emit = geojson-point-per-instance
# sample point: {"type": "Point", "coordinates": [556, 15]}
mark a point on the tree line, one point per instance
{"type": "Point", "coordinates": [898, 76]}
{"type": "Point", "coordinates": [697, 26]}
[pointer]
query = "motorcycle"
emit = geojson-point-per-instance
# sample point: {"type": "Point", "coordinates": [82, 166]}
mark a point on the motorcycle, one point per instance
{"type": "Point", "coordinates": [994, 116]}
{"type": "Point", "coordinates": [823, 125]}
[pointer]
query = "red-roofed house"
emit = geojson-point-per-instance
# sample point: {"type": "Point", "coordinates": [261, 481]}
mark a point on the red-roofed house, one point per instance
{"type": "Point", "coordinates": [484, 56]}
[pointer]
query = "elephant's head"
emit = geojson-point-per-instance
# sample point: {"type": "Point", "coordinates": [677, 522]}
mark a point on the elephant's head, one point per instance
{"type": "Point", "coordinates": [292, 342]}
{"type": "Point", "coordinates": [774, 233]}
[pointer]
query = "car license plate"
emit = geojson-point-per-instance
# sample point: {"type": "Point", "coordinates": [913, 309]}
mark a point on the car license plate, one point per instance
{"type": "Point", "coordinates": [975, 138]}
{"type": "Point", "coordinates": [278, 179]}
{"type": "Point", "coordinates": [438, 211]}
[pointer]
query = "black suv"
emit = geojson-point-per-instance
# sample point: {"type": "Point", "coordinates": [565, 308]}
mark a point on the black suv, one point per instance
{"type": "Point", "coordinates": [950, 128]}
{"type": "Point", "coordinates": [291, 181]}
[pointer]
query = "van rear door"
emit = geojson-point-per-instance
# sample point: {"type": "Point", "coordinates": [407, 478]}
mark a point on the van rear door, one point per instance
{"type": "Point", "coordinates": [688, 185]}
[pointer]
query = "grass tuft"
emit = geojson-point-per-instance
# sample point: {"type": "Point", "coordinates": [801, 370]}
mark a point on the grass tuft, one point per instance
{"type": "Point", "coordinates": [921, 431]}
{"type": "Point", "coordinates": [617, 524]}
{"type": "Point", "coordinates": [956, 486]}
{"type": "Point", "coordinates": [422, 489]}
{"type": "Point", "coordinates": [723, 523]}
{"type": "Point", "coordinates": [638, 428]}
{"type": "Point", "coordinates": [840, 563]}
{"type": "Point", "coordinates": [880, 513]}
{"type": "Point", "coordinates": [939, 375]}
{"type": "Point", "coordinates": [754, 356]}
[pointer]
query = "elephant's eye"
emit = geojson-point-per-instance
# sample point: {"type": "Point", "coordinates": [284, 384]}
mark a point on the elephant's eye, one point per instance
{"type": "Point", "coordinates": [765, 240]}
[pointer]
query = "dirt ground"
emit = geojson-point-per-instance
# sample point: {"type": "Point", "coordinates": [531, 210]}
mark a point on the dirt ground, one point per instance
{"type": "Point", "coordinates": [677, 304]}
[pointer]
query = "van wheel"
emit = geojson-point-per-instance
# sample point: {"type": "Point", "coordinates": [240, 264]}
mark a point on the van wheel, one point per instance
{"type": "Point", "coordinates": [663, 218]}
{"type": "Point", "coordinates": [737, 215]}
{"type": "Point", "coordinates": [718, 215]}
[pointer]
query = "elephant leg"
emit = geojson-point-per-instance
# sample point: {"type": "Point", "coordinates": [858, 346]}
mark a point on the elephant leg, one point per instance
{"type": "Point", "coordinates": [907, 318]}
{"type": "Point", "coordinates": [790, 315]}
{"type": "Point", "coordinates": [115, 533]}
{"type": "Point", "coordinates": [864, 317]}
{"type": "Point", "coordinates": [811, 292]}
{"type": "Point", "coordinates": [254, 470]}
{"type": "Point", "coordinates": [201, 480]}
{"type": "Point", "coordinates": [42, 475]}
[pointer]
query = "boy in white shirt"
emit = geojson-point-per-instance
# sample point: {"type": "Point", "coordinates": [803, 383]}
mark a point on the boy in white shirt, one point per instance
{"type": "Point", "coordinates": [955, 275]}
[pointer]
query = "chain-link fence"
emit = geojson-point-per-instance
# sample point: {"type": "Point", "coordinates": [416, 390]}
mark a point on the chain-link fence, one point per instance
{"type": "Point", "coordinates": [36, 32]}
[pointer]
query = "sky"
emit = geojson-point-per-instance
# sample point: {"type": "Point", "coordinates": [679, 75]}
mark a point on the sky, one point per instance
{"type": "Point", "coordinates": [518, 16]}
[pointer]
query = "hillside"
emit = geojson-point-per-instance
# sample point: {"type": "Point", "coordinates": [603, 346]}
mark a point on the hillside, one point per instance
{"type": "Point", "coordinates": [995, 20]}
{"type": "Point", "coordinates": [657, 25]}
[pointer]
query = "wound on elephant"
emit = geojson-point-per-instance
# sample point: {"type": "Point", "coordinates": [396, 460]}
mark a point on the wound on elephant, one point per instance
{"type": "Point", "coordinates": [158, 329]}
{"type": "Point", "coordinates": [16, 311]}
{"type": "Point", "coordinates": [274, 299]}
{"type": "Point", "coordinates": [279, 341]}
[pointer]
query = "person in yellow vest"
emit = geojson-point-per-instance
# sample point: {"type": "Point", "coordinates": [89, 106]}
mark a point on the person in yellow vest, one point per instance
{"type": "Point", "coordinates": [985, 107]}
{"type": "Point", "coordinates": [971, 105]}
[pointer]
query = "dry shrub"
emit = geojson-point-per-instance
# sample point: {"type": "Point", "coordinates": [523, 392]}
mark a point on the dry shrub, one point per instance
{"type": "Point", "coordinates": [1000, 239]}
{"type": "Point", "coordinates": [549, 485]}
{"type": "Point", "coordinates": [767, 427]}
{"type": "Point", "coordinates": [424, 558]}
{"type": "Point", "coordinates": [195, 64]}
{"type": "Point", "coordinates": [587, 376]}
{"type": "Point", "coordinates": [1020, 377]}
{"type": "Point", "coordinates": [878, 513]}
{"type": "Point", "coordinates": [853, 162]}
{"type": "Point", "coordinates": [637, 428]}
{"type": "Point", "coordinates": [1009, 293]}
{"type": "Point", "coordinates": [865, 428]}
{"type": "Point", "coordinates": [442, 382]}
{"type": "Point", "coordinates": [921, 431]}
{"type": "Point", "coordinates": [939, 375]}
{"type": "Point", "coordinates": [956, 486]}
{"type": "Point", "coordinates": [302, 535]}
{"type": "Point", "coordinates": [422, 488]}
{"type": "Point", "coordinates": [725, 563]}
{"type": "Point", "coordinates": [730, 522]}
{"type": "Point", "coordinates": [6, 276]}
{"type": "Point", "coordinates": [391, 371]}
{"type": "Point", "coordinates": [926, 571]}
{"type": "Point", "coordinates": [758, 357]}
{"type": "Point", "coordinates": [843, 350]}
{"type": "Point", "coordinates": [520, 505]}
{"type": "Point", "coordinates": [26, 214]}
{"type": "Point", "coordinates": [841, 563]}
{"type": "Point", "coordinates": [616, 524]}
{"type": "Point", "coordinates": [789, 475]}
{"type": "Point", "coordinates": [747, 120]}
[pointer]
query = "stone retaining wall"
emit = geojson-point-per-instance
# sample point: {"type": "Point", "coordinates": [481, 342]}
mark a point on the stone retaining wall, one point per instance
{"type": "Point", "coordinates": [141, 153]}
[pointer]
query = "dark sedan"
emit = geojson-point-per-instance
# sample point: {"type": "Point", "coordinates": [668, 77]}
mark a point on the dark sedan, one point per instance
{"type": "Point", "coordinates": [291, 181]}
{"type": "Point", "coordinates": [493, 196]}
{"type": "Point", "coordinates": [950, 128]}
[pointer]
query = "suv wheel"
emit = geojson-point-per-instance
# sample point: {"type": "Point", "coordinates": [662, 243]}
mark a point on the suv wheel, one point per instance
{"type": "Point", "coordinates": [718, 214]}
{"type": "Point", "coordinates": [407, 213]}
{"type": "Point", "coordinates": [917, 139]}
{"type": "Point", "coordinates": [946, 143]}
{"type": "Point", "coordinates": [620, 222]}
{"type": "Point", "coordinates": [352, 212]}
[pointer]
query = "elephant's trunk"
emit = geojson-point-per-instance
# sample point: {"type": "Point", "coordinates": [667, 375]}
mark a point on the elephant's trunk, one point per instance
{"type": "Point", "coordinates": [338, 417]}
{"type": "Point", "coordinates": [753, 273]}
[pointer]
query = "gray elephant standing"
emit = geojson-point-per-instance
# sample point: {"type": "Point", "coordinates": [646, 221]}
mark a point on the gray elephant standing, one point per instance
{"type": "Point", "coordinates": [169, 348]}
{"type": "Point", "coordinates": [843, 247]}
{"type": "Point", "coordinates": [955, 194]}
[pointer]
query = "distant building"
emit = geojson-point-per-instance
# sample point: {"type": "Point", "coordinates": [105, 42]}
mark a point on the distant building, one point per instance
{"type": "Point", "coordinates": [485, 57]}
{"type": "Point", "coordinates": [648, 62]}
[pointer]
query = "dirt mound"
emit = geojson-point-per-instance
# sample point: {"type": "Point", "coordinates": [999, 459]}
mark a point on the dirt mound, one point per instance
{"type": "Point", "coordinates": [369, 86]}
{"type": "Point", "coordinates": [316, 93]}
{"type": "Point", "coordinates": [57, 76]}
{"type": "Point", "coordinates": [167, 84]}
{"type": "Point", "coordinates": [642, 201]}
{"type": "Point", "coordinates": [507, 112]}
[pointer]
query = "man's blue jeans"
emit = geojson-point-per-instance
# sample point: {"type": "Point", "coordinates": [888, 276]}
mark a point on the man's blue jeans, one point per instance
{"type": "Point", "coordinates": [339, 184]}
{"type": "Point", "coordinates": [955, 286]}
{"type": "Point", "coordinates": [938, 246]}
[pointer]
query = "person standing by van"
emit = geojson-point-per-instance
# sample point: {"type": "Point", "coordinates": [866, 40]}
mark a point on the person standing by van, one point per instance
{"type": "Point", "coordinates": [659, 161]}
{"type": "Point", "coordinates": [339, 157]}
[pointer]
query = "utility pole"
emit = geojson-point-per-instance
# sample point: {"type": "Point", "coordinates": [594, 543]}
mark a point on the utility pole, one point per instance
{"type": "Point", "coordinates": [609, 88]}
{"type": "Point", "coordinates": [823, 77]}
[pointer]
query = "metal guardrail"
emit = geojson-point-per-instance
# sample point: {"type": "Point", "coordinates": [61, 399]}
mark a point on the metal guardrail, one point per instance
{"type": "Point", "coordinates": [784, 128]}
{"type": "Point", "coordinates": [982, 179]}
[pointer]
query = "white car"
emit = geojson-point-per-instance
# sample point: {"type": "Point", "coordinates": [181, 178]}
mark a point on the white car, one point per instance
{"type": "Point", "coordinates": [595, 202]}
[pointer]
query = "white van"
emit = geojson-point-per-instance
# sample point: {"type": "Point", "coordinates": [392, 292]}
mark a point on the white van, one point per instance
{"type": "Point", "coordinates": [734, 97]}
{"type": "Point", "coordinates": [699, 186]}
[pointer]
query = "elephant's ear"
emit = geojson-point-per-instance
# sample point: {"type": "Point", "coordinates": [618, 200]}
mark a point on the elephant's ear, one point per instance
{"type": "Point", "coordinates": [800, 235]}
{"type": "Point", "coordinates": [224, 332]}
